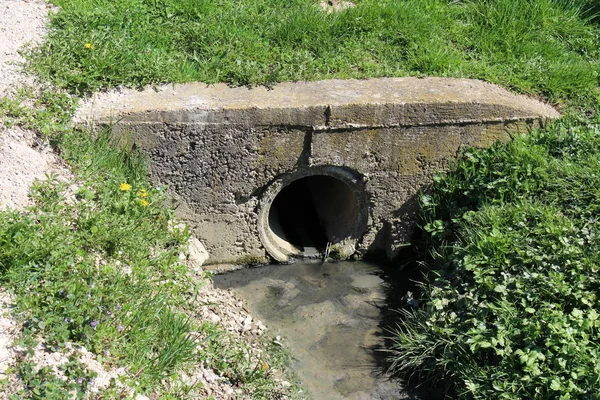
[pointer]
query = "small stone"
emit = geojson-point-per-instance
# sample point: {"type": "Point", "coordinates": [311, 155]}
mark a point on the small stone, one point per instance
{"type": "Point", "coordinates": [260, 326]}
{"type": "Point", "coordinates": [197, 253]}
{"type": "Point", "coordinates": [209, 376]}
{"type": "Point", "coordinates": [247, 324]}
{"type": "Point", "coordinates": [214, 318]}
{"type": "Point", "coordinates": [330, 6]}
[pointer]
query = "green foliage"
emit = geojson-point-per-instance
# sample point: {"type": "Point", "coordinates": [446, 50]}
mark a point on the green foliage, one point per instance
{"type": "Point", "coordinates": [46, 384]}
{"type": "Point", "coordinates": [543, 47]}
{"type": "Point", "coordinates": [50, 115]}
{"type": "Point", "coordinates": [100, 268]}
{"type": "Point", "coordinates": [509, 311]}
{"type": "Point", "coordinates": [96, 263]}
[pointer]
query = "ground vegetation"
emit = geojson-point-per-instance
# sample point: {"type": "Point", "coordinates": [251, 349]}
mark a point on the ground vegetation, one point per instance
{"type": "Point", "coordinates": [507, 307]}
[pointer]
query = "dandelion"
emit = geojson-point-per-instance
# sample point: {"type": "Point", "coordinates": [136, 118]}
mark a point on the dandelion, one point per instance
{"type": "Point", "coordinates": [144, 203]}
{"type": "Point", "coordinates": [88, 46]}
{"type": "Point", "coordinates": [142, 194]}
{"type": "Point", "coordinates": [125, 186]}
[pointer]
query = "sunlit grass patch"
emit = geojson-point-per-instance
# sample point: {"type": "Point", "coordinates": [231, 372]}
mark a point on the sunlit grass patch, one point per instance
{"type": "Point", "coordinates": [541, 47]}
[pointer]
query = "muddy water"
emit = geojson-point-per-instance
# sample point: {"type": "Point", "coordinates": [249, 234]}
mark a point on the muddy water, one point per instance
{"type": "Point", "coordinates": [330, 316]}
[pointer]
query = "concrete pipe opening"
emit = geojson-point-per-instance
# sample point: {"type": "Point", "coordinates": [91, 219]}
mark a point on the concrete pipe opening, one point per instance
{"type": "Point", "coordinates": [304, 216]}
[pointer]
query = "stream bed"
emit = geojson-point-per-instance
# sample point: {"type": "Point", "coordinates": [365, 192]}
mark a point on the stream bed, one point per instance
{"type": "Point", "coordinates": [330, 315]}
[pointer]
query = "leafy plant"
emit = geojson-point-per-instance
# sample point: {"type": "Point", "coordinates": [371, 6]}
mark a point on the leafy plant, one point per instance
{"type": "Point", "coordinates": [47, 383]}
{"type": "Point", "coordinates": [509, 308]}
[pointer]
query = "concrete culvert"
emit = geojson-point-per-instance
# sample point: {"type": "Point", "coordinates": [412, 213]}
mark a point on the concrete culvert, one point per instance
{"type": "Point", "coordinates": [227, 153]}
{"type": "Point", "coordinates": [301, 216]}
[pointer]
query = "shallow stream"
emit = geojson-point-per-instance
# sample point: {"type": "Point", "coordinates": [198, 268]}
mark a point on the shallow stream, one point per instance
{"type": "Point", "coordinates": [330, 315]}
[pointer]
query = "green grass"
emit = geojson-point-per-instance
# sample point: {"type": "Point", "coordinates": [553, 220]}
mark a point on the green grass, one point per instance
{"type": "Point", "coordinates": [542, 47]}
{"type": "Point", "coordinates": [99, 266]}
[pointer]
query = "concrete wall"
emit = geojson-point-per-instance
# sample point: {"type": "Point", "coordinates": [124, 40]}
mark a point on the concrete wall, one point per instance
{"type": "Point", "coordinates": [226, 152]}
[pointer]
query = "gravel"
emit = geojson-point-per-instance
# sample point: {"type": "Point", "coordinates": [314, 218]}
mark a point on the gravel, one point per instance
{"type": "Point", "coordinates": [23, 156]}
{"type": "Point", "coordinates": [22, 23]}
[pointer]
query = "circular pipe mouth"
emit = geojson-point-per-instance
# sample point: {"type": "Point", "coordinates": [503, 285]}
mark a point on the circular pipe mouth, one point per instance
{"type": "Point", "coordinates": [311, 213]}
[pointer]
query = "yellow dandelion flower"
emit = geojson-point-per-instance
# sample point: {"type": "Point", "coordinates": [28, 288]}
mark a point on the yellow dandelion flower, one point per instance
{"type": "Point", "coordinates": [144, 203]}
{"type": "Point", "coordinates": [88, 45]}
{"type": "Point", "coordinates": [125, 186]}
{"type": "Point", "coordinates": [264, 366]}
{"type": "Point", "coordinates": [142, 194]}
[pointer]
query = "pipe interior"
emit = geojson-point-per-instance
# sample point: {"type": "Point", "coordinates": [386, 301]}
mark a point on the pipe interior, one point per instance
{"type": "Point", "coordinates": [312, 211]}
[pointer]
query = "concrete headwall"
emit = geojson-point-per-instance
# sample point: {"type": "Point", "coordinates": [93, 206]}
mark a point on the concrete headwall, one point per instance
{"type": "Point", "coordinates": [227, 153]}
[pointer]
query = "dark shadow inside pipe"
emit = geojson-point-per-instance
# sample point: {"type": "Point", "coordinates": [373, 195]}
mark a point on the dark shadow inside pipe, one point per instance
{"type": "Point", "coordinates": [312, 211]}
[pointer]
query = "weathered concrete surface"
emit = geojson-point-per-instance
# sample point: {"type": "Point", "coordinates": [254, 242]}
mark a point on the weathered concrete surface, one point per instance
{"type": "Point", "coordinates": [223, 151]}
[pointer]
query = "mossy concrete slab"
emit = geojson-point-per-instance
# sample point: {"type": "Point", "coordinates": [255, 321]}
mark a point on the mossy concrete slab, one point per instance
{"type": "Point", "coordinates": [226, 153]}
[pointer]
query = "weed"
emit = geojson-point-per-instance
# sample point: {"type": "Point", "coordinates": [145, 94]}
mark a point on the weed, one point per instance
{"type": "Point", "coordinates": [49, 114]}
{"type": "Point", "coordinates": [53, 384]}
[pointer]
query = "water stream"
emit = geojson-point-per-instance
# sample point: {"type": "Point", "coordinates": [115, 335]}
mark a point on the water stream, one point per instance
{"type": "Point", "coordinates": [330, 315]}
